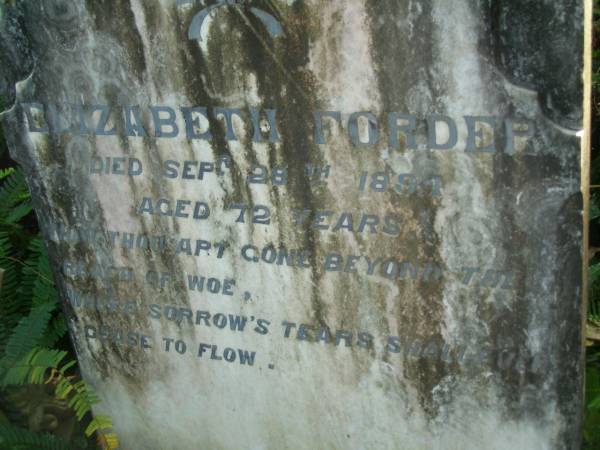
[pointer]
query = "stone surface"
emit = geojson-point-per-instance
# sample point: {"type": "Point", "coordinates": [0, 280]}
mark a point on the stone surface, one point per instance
{"type": "Point", "coordinates": [430, 294]}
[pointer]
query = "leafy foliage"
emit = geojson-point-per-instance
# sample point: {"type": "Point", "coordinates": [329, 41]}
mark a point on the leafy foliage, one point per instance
{"type": "Point", "coordinates": [32, 325]}
{"type": "Point", "coordinates": [592, 388]}
{"type": "Point", "coordinates": [15, 438]}
{"type": "Point", "coordinates": [34, 368]}
{"type": "Point", "coordinates": [13, 193]}
{"type": "Point", "coordinates": [26, 335]}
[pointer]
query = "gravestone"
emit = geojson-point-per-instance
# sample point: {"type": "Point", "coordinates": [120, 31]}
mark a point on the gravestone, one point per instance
{"type": "Point", "coordinates": [304, 224]}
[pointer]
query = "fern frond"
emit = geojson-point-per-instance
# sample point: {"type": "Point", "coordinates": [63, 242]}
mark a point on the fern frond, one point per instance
{"type": "Point", "coordinates": [11, 273]}
{"type": "Point", "coordinates": [99, 422]}
{"type": "Point", "coordinates": [15, 438]}
{"type": "Point", "coordinates": [35, 285]}
{"type": "Point", "coordinates": [44, 294]}
{"type": "Point", "coordinates": [36, 277]}
{"type": "Point", "coordinates": [27, 334]}
{"type": "Point", "coordinates": [83, 399]}
{"type": "Point", "coordinates": [109, 441]}
{"type": "Point", "coordinates": [56, 330]}
{"type": "Point", "coordinates": [32, 368]}
{"type": "Point", "coordinates": [12, 192]}
{"type": "Point", "coordinates": [29, 325]}
{"type": "Point", "coordinates": [6, 172]}
{"type": "Point", "coordinates": [13, 186]}
{"type": "Point", "coordinates": [36, 254]}
{"type": "Point", "coordinates": [18, 212]}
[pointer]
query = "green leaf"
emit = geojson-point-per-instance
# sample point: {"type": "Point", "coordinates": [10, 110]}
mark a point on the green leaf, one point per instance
{"type": "Point", "coordinates": [36, 281]}
{"type": "Point", "coordinates": [18, 212]}
{"type": "Point", "coordinates": [32, 369]}
{"type": "Point", "coordinates": [27, 334]}
{"type": "Point", "coordinates": [99, 422]}
{"type": "Point", "coordinates": [15, 438]}
{"type": "Point", "coordinates": [12, 192]}
{"type": "Point", "coordinates": [594, 273]}
{"type": "Point", "coordinates": [592, 416]}
{"type": "Point", "coordinates": [8, 301]}
{"type": "Point", "coordinates": [594, 210]}
{"type": "Point", "coordinates": [55, 331]}
{"type": "Point", "coordinates": [6, 172]}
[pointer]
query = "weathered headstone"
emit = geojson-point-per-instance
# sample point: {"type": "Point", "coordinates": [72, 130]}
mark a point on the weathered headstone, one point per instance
{"type": "Point", "coordinates": [302, 224]}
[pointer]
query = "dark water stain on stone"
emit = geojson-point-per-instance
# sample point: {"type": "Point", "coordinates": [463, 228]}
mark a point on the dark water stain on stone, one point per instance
{"type": "Point", "coordinates": [550, 160]}
{"type": "Point", "coordinates": [395, 56]}
{"type": "Point", "coordinates": [240, 47]}
{"type": "Point", "coordinates": [288, 90]}
{"type": "Point", "coordinates": [115, 17]}
{"type": "Point", "coordinates": [521, 25]}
